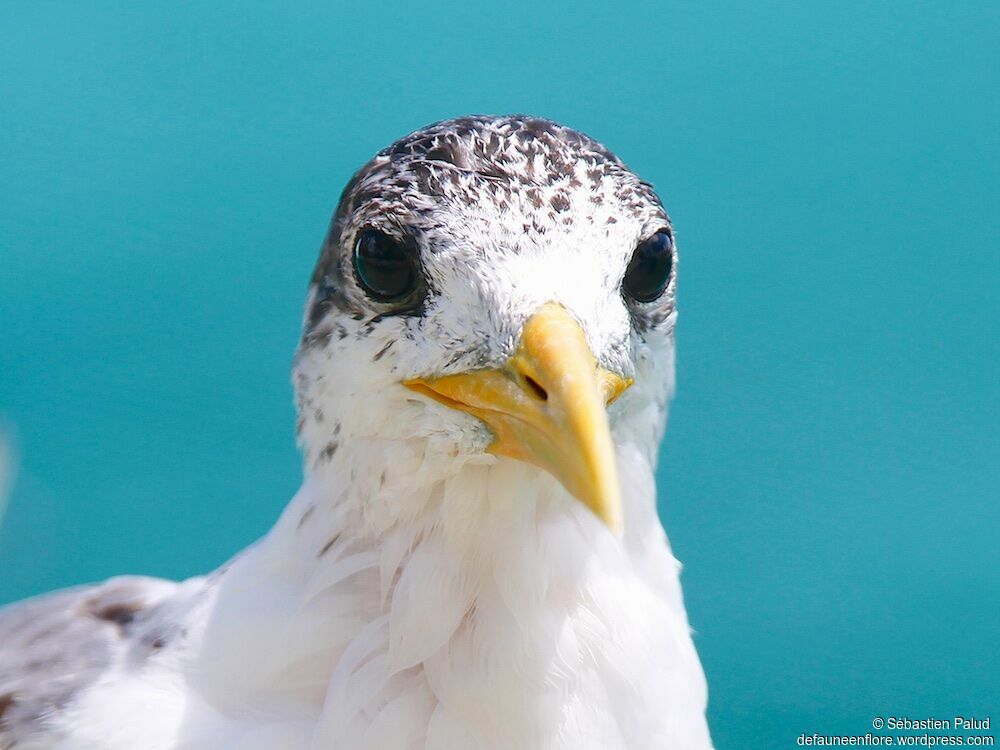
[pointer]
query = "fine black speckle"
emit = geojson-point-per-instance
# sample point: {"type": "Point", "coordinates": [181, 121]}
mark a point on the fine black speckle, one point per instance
{"type": "Point", "coordinates": [326, 547]}
{"type": "Point", "coordinates": [559, 202]}
{"type": "Point", "coordinates": [6, 701]}
{"type": "Point", "coordinates": [327, 453]}
{"type": "Point", "coordinates": [449, 152]}
{"type": "Point", "coordinates": [305, 516]}
{"type": "Point", "coordinates": [119, 614]}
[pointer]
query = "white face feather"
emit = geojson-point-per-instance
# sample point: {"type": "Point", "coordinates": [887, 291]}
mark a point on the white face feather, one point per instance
{"type": "Point", "coordinates": [507, 214]}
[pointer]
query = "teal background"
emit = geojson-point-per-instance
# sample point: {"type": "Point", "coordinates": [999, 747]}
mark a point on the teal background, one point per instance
{"type": "Point", "coordinates": [830, 476]}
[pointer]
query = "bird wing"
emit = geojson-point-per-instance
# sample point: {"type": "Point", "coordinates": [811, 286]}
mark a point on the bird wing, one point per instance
{"type": "Point", "coordinates": [53, 647]}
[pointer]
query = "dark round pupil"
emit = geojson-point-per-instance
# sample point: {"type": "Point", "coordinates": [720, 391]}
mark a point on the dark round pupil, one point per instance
{"type": "Point", "coordinates": [384, 267]}
{"type": "Point", "coordinates": [648, 272]}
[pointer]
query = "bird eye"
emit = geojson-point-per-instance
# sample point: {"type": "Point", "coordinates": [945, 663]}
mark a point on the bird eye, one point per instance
{"type": "Point", "coordinates": [385, 267]}
{"type": "Point", "coordinates": [648, 273]}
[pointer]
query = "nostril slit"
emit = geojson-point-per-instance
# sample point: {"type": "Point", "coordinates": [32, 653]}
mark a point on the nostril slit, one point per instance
{"type": "Point", "coordinates": [536, 388]}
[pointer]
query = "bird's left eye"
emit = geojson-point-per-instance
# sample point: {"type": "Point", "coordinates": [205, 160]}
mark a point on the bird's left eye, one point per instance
{"type": "Point", "coordinates": [648, 273]}
{"type": "Point", "coordinates": [385, 267]}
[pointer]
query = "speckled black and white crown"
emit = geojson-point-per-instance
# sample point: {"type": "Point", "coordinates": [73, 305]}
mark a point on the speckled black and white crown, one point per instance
{"type": "Point", "coordinates": [523, 176]}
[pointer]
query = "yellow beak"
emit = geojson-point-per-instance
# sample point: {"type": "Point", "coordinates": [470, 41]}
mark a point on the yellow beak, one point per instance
{"type": "Point", "coordinates": [546, 406]}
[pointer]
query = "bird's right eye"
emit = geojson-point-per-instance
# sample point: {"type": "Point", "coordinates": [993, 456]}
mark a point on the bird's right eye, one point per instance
{"type": "Point", "coordinates": [649, 271]}
{"type": "Point", "coordinates": [386, 268]}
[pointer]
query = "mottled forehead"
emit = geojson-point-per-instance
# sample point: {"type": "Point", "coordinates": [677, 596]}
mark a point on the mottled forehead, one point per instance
{"type": "Point", "coordinates": [524, 180]}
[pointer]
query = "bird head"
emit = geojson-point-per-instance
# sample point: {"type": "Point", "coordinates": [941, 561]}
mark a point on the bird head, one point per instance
{"type": "Point", "coordinates": [492, 286]}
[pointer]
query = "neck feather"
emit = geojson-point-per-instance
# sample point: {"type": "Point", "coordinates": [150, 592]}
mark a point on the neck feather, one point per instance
{"type": "Point", "coordinates": [461, 598]}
